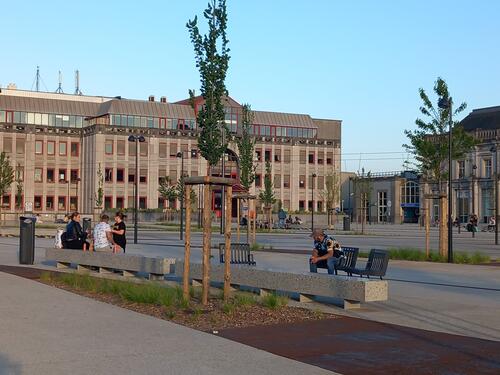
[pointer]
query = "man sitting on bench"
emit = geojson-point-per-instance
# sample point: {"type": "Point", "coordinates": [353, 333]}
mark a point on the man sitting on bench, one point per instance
{"type": "Point", "coordinates": [326, 252]}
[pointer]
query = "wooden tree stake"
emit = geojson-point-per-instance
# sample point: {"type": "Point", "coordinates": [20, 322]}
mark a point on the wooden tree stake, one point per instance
{"type": "Point", "coordinates": [227, 250]}
{"type": "Point", "coordinates": [187, 243]}
{"type": "Point", "coordinates": [207, 232]}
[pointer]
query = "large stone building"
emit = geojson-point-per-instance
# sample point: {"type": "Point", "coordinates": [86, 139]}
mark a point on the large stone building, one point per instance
{"type": "Point", "coordinates": [59, 142]}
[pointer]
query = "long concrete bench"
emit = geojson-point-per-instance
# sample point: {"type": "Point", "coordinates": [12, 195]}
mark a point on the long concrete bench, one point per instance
{"type": "Point", "coordinates": [128, 265]}
{"type": "Point", "coordinates": [352, 290]}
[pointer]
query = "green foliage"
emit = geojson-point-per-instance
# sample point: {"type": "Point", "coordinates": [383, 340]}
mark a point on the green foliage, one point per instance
{"type": "Point", "coordinates": [429, 142]}
{"type": "Point", "coordinates": [414, 254]}
{"type": "Point", "coordinates": [19, 187]}
{"type": "Point", "coordinates": [246, 148]}
{"type": "Point", "coordinates": [273, 301]}
{"type": "Point", "coordinates": [228, 308]}
{"type": "Point", "coordinates": [267, 196]}
{"type": "Point", "coordinates": [212, 61]}
{"type": "Point", "coordinates": [255, 246]}
{"type": "Point", "coordinates": [99, 195]}
{"type": "Point", "coordinates": [6, 173]}
{"type": "Point", "coordinates": [167, 190]}
{"type": "Point", "coordinates": [244, 299]}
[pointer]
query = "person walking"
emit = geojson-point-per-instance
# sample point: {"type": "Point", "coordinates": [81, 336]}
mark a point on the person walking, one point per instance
{"type": "Point", "coordinates": [119, 230]}
{"type": "Point", "coordinates": [103, 238]}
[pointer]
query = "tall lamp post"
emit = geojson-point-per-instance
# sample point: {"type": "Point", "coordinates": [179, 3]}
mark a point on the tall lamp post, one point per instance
{"type": "Point", "coordinates": [493, 150]}
{"type": "Point", "coordinates": [77, 181]}
{"type": "Point", "coordinates": [474, 167]}
{"type": "Point", "coordinates": [181, 156]}
{"type": "Point", "coordinates": [447, 104]}
{"type": "Point", "coordinates": [313, 176]}
{"type": "Point", "coordinates": [137, 139]}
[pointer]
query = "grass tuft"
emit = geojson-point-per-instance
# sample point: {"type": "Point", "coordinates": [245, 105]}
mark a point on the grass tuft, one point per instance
{"type": "Point", "coordinates": [273, 301]}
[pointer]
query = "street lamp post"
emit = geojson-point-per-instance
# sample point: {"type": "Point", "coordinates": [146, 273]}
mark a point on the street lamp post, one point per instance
{"type": "Point", "coordinates": [312, 200]}
{"type": "Point", "coordinates": [181, 156]}
{"type": "Point", "coordinates": [495, 182]}
{"type": "Point", "coordinates": [474, 167]}
{"type": "Point", "coordinates": [77, 181]}
{"type": "Point", "coordinates": [447, 104]}
{"type": "Point", "coordinates": [137, 139]}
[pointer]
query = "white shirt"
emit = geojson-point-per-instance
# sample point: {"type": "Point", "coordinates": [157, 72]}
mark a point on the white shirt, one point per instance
{"type": "Point", "coordinates": [100, 239]}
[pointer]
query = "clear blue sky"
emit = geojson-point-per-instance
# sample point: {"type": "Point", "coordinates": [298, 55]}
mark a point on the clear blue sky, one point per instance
{"type": "Point", "coordinates": [358, 61]}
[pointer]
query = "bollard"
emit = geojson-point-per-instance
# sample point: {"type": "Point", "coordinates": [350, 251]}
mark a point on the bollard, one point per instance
{"type": "Point", "coordinates": [26, 240]}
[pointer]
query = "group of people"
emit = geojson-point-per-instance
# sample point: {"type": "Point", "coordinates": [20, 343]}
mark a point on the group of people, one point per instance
{"type": "Point", "coordinates": [104, 237]}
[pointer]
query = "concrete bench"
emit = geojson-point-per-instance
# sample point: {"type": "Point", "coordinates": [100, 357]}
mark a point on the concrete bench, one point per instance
{"type": "Point", "coordinates": [128, 265]}
{"type": "Point", "coordinates": [352, 290]}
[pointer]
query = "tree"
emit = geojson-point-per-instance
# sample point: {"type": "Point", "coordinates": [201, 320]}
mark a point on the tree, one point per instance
{"type": "Point", "coordinates": [6, 176]}
{"type": "Point", "coordinates": [99, 195]}
{"type": "Point", "coordinates": [267, 196]}
{"type": "Point", "coordinates": [167, 190]}
{"type": "Point", "coordinates": [212, 61]}
{"type": "Point", "coordinates": [362, 190]}
{"type": "Point", "coordinates": [246, 149]}
{"type": "Point", "coordinates": [331, 193]}
{"type": "Point", "coordinates": [19, 187]}
{"type": "Point", "coordinates": [429, 142]}
{"type": "Point", "coordinates": [179, 191]}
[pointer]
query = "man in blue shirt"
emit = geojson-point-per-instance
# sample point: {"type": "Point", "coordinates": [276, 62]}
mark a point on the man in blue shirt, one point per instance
{"type": "Point", "coordinates": [326, 252]}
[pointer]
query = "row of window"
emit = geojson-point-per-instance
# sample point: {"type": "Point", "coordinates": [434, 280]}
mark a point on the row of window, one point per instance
{"type": "Point", "coordinates": [486, 170]}
{"type": "Point", "coordinates": [282, 131]}
{"type": "Point", "coordinates": [152, 122]}
{"type": "Point", "coordinates": [52, 203]}
{"type": "Point", "coordinates": [311, 157]}
{"type": "Point", "coordinates": [61, 177]}
{"type": "Point", "coordinates": [47, 119]}
{"type": "Point", "coordinates": [49, 148]}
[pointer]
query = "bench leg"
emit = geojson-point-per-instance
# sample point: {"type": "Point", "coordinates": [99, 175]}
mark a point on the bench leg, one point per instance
{"type": "Point", "coordinates": [154, 276]}
{"type": "Point", "coordinates": [305, 298]}
{"type": "Point", "coordinates": [349, 304]}
{"type": "Point", "coordinates": [128, 273]}
{"type": "Point", "coordinates": [83, 268]}
{"type": "Point", "coordinates": [62, 265]}
{"type": "Point", "coordinates": [196, 283]}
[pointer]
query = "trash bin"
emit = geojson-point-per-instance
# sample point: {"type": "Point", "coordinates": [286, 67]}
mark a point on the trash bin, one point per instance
{"type": "Point", "coordinates": [347, 223]}
{"type": "Point", "coordinates": [87, 224]}
{"type": "Point", "coordinates": [26, 240]}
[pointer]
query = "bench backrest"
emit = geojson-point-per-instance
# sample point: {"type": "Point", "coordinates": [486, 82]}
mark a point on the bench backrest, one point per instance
{"type": "Point", "coordinates": [377, 262]}
{"type": "Point", "coordinates": [239, 252]}
{"type": "Point", "coordinates": [351, 257]}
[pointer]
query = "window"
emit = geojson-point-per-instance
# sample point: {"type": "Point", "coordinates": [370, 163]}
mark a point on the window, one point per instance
{"type": "Point", "coordinates": [143, 176]}
{"type": "Point", "coordinates": [329, 158]}
{"type": "Point", "coordinates": [258, 180]}
{"type": "Point", "coordinates": [310, 157]}
{"type": "Point", "coordinates": [18, 200]}
{"type": "Point", "coordinates": [6, 202]}
{"type": "Point", "coordinates": [302, 157]}
{"type": "Point", "coordinates": [131, 148]}
{"type": "Point", "coordinates": [410, 193]}
{"type": "Point", "coordinates": [487, 168]}
{"type": "Point", "coordinates": [286, 181]}
{"type": "Point", "coordinates": [108, 147]}
{"type": "Point", "coordinates": [51, 147]}
{"type": "Point", "coordinates": [49, 203]}
{"type": "Point", "coordinates": [120, 148]}
{"type": "Point", "coordinates": [7, 144]}
{"type": "Point", "coordinates": [321, 158]}
{"type": "Point", "coordinates": [131, 177]}
{"type": "Point", "coordinates": [108, 174]}
{"type": "Point", "coordinates": [38, 147]}
{"type": "Point", "coordinates": [320, 206]}
{"type": "Point", "coordinates": [310, 205]}
{"type": "Point", "coordinates": [20, 146]}
{"type": "Point", "coordinates": [194, 153]}
{"type": "Point", "coordinates": [301, 205]}
{"type": "Point", "coordinates": [173, 176]}
{"type": "Point", "coordinates": [277, 181]}
{"type": "Point", "coordinates": [50, 175]}
{"type": "Point", "coordinates": [143, 149]}
{"type": "Point", "coordinates": [302, 182]}
{"type": "Point", "coordinates": [61, 203]}
{"type": "Point", "coordinates": [38, 174]}
{"type": "Point", "coordinates": [73, 175]}
{"type": "Point", "coordinates": [320, 183]}
{"type": "Point", "coordinates": [287, 157]}
{"type": "Point", "coordinates": [286, 204]}
{"type": "Point", "coordinates": [63, 148]}
{"type": "Point", "coordinates": [163, 150]}
{"type": "Point", "coordinates": [75, 149]}
{"type": "Point", "coordinates": [120, 203]}
{"type": "Point", "coordinates": [382, 206]}
{"type": "Point", "coordinates": [142, 203]}
{"type": "Point", "coordinates": [277, 156]}
{"type": "Point", "coordinates": [73, 203]}
{"type": "Point", "coordinates": [62, 175]}
{"type": "Point", "coordinates": [461, 168]}
{"type": "Point", "coordinates": [108, 202]}
{"type": "Point", "coordinates": [267, 155]}
{"type": "Point", "coordinates": [20, 173]}
{"type": "Point", "coordinates": [258, 155]}
{"type": "Point", "coordinates": [161, 202]}
{"type": "Point", "coordinates": [173, 150]}
{"type": "Point", "coordinates": [37, 206]}
{"type": "Point", "coordinates": [120, 175]}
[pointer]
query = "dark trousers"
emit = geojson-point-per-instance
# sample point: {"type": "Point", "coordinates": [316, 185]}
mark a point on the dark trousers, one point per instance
{"type": "Point", "coordinates": [329, 264]}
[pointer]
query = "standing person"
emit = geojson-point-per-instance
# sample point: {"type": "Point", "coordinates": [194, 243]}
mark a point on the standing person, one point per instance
{"type": "Point", "coordinates": [103, 238]}
{"type": "Point", "coordinates": [326, 252]}
{"type": "Point", "coordinates": [75, 237]}
{"type": "Point", "coordinates": [119, 230]}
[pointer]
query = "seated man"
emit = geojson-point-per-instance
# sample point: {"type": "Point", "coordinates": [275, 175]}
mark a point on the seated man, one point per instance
{"type": "Point", "coordinates": [326, 252]}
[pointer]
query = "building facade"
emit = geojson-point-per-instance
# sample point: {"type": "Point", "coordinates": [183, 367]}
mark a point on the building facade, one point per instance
{"type": "Point", "coordinates": [59, 143]}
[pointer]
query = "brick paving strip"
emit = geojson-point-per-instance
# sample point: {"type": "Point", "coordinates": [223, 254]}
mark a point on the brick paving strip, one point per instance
{"type": "Point", "coordinates": [358, 346]}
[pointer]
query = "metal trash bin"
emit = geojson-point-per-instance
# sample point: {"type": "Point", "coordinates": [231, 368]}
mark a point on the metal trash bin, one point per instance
{"type": "Point", "coordinates": [347, 223]}
{"type": "Point", "coordinates": [27, 240]}
{"type": "Point", "coordinates": [87, 224]}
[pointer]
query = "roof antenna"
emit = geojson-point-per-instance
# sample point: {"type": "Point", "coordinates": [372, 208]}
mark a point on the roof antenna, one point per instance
{"type": "Point", "coordinates": [59, 88]}
{"type": "Point", "coordinates": [77, 83]}
{"type": "Point", "coordinates": [38, 79]}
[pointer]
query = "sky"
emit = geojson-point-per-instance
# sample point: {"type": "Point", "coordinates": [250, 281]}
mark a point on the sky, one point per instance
{"type": "Point", "coordinates": [361, 62]}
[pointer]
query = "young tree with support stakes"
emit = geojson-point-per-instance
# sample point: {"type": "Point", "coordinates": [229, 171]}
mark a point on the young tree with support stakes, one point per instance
{"type": "Point", "coordinates": [246, 149]}
{"type": "Point", "coordinates": [212, 60]}
{"type": "Point", "coordinates": [429, 144]}
{"type": "Point", "coordinates": [6, 178]}
{"type": "Point", "coordinates": [362, 190]}
{"type": "Point", "coordinates": [99, 195]}
{"type": "Point", "coordinates": [19, 188]}
{"type": "Point", "coordinates": [331, 193]}
{"type": "Point", "coordinates": [267, 196]}
{"type": "Point", "coordinates": [167, 191]}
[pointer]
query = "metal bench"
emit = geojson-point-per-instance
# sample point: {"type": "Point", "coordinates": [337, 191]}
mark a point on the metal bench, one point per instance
{"type": "Point", "coordinates": [376, 265]}
{"type": "Point", "coordinates": [127, 265]}
{"type": "Point", "coordinates": [240, 254]}
{"type": "Point", "coordinates": [348, 261]}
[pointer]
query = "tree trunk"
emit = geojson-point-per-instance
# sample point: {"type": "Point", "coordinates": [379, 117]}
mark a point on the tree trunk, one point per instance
{"type": "Point", "coordinates": [269, 217]}
{"type": "Point", "coordinates": [443, 233]}
{"type": "Point", "coordinates": [238, 219]}
{"type": "Point", "coordinates": [187, 245]}
{"type": "Point", "coordinates": [427, 227]}
{"type": "Point", "coordinates": [207, 232]}
{"type": "Point", "coordinates": [227, 250]}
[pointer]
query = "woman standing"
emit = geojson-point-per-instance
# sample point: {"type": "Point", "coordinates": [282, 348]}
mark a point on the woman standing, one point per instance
{"type": "Point", "coordinates": [119, 230]}
{"type": "Point", "coordinates": [75, 237]}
